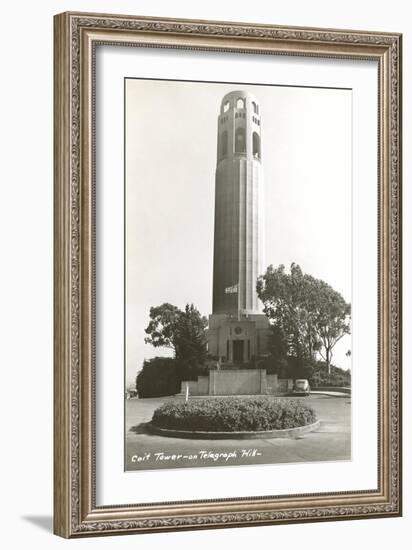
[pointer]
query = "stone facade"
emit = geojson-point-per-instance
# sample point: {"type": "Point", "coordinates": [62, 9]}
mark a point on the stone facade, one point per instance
{"type": "Point", "coordinates": [237, 340]}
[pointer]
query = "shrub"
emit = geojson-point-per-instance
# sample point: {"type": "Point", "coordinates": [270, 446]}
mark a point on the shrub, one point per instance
{"type": "Point", "coordinates": [234, 414]}
{"type": "Point", "coordinates": [158, 378]}
{"type": "Point", "coordinates": [337, 377]}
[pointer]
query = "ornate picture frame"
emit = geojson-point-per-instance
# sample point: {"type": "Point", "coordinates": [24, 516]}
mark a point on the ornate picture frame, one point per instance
{"type": "Point", "coordinates": [76, 37]}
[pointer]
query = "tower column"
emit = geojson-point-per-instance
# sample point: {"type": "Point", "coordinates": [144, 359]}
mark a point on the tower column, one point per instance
{"type": "Point", "coordinates": [238, 251]}
{"type": "Point", "coordinates": [237, 319]}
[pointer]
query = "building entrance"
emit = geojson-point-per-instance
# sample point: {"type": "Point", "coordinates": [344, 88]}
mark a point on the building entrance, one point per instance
{"type": "Point", "coordinates": [238, 351]}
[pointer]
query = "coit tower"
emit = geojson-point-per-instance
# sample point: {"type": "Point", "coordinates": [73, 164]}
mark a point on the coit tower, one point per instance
{"type": "Point", "coordinates": [238, 239]}
{"type": "Point", "coordinates": [238, 232]}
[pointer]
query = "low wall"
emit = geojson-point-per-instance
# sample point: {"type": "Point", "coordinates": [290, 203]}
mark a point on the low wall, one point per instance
{"type": "Point", "coordinates": [203, 385]}
{"type": "Point", "coordinates": [285, 385]}
{"type": "Point", "coordinates": [237, 382]}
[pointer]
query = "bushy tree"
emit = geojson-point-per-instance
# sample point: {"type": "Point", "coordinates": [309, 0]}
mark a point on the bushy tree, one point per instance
{"type": "Point", "coordinates": [308, 316]}
{"type": "Point", "coordinates": [190, 335]}
{"type": "Point", "coordinates": [162, 326]}
{"type": "Point", "coordinates": [331, 318]}
{"type": "Point", "coordinates": [184, 332]}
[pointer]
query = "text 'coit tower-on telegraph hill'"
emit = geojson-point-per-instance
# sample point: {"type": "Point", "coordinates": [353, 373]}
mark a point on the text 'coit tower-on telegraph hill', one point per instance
{"type": "Point", "coordinates": [238, 329]}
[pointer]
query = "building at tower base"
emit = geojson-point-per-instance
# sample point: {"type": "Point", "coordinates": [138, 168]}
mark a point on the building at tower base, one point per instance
{"type": "Point", "coordinates": [233, 340]}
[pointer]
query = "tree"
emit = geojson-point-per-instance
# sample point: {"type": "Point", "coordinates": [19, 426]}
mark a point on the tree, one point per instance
{"type": "Point", "coordinates": [162, 326]}
{"type": "Point", "coordinates": [283, 296]}
{"type": "Point", "coordinates": [309, 314]}
{"type": "Point", "coordinates": [190, 335]}
{"type": "Point", "coordinates": [331, 318]}
{"type": "Point", "coordinates": [182, 331]}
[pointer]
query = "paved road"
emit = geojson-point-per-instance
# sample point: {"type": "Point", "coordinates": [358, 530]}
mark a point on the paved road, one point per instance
{"type": "Point", "coordinates": [330, 442]}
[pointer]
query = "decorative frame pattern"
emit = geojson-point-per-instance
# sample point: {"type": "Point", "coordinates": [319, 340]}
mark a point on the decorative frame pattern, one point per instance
{"type": "Point", "coordinates": [76, 36]}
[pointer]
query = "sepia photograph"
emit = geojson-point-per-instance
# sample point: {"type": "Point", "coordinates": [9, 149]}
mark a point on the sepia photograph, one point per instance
{"type": "Point", "coordinates": [237, 274]}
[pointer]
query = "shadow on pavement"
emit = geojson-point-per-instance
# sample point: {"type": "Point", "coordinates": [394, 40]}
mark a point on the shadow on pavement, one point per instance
{"type": "Point", "coordinates": [140, 429]}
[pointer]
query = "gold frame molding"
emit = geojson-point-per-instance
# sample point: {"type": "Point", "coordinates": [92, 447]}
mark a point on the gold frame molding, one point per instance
{"type": "Point", "coordinates": [75, 38]}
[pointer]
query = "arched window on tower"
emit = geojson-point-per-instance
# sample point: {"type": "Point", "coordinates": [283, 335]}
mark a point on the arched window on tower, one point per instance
{"type": "Point", "coordinates": [256, 145]}
{"type": "Point", "coordinates": [240, 140]}
{"type": "Point", "coordinates": [255, 107]}
{"type": "Point", "coordinates": [240, 103]}
{"type": "Point", "coordinates": [223, 144]}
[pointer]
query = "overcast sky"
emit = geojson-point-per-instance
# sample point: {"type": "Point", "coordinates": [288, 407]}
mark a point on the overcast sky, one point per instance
{"type": "Point", "coordinates": [171, 137]}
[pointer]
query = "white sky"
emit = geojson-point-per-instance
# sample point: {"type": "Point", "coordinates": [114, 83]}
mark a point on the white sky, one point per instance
{"type": "Point", "coordinates": [171, 137]}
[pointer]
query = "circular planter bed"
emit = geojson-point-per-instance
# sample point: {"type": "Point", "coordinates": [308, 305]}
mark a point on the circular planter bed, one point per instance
{"type": "Point", "coordinates": [234, 418]}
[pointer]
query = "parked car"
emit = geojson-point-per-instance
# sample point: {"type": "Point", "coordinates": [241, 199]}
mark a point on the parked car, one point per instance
{"type": "Point", "coordinates": [301, 387]}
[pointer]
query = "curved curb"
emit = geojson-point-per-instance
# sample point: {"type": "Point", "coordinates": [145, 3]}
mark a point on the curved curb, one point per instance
{"type": "Point", "coordinates": [330, 393]}
{"type": "Point", "coordinates": [271, 434]}
{"type": "Point", "coordinates": [333, 392]}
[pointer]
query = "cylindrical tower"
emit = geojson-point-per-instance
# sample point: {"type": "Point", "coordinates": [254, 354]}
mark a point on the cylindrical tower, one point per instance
{"type": "Point", "coordinates": [239, 206]}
